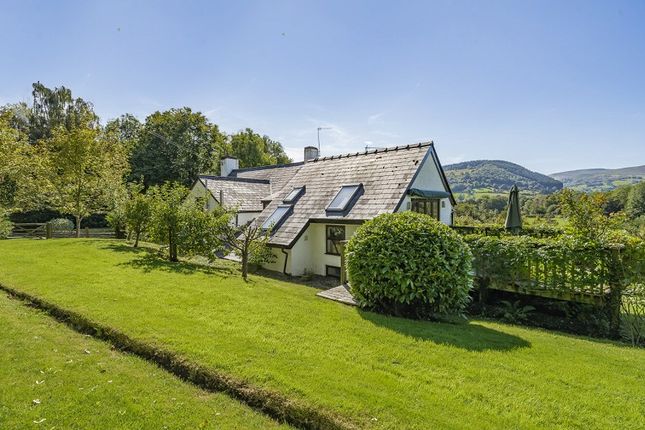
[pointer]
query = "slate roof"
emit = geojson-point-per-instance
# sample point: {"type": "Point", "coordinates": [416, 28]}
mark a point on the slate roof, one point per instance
{"type": "Point", "coordinates": [244, 193]}
{"type": "Point", "coordinates": [278, 175]}
{"type": "Point", "coordinates": [385, 174]}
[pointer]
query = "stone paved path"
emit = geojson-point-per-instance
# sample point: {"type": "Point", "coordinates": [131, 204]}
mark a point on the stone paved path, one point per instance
{"type": "Point", "coordinates": [338, 294]}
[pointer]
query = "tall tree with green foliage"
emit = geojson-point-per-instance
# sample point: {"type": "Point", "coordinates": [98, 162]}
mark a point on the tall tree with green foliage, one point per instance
{"type": "Point", "coordinates": [126, 128]}
{"type": "Point", "coordinates": [83, 171]}
{"type": "Point", "coordinates": [255, 150]}
{"type": "Point", "coordinates": [18, 165]}
{"type": "Point", "coordinates": [55, 108]}
{"type": "Point", "coordinates": [176, 145]}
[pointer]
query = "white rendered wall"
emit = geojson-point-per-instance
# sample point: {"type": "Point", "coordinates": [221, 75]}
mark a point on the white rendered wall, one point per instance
{"type": "Point", "coordinates": [308, 253]}
{"type": "Point", "coordinates": [199, 191]}
{"type": "Point", "coordinates": [429, 178]}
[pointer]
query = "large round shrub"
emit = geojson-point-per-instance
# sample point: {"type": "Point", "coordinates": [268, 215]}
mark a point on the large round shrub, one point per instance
{"type": "Point", "coordinates": [409, 264]}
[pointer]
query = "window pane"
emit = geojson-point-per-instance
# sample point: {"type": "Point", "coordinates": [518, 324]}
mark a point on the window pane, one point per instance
{"type": "Point", "coordinates": [335, 233]}
{"type": "Point", "coordinates": [426, 206]}
{"type": "Point", "coordinates": [275, 217]}
{"type": "Point", "coordinates": [333, 271]}
{"type": "Point", "coordinates": [342, 199]}
{"type": "Point", "coordinates": [293, 194]}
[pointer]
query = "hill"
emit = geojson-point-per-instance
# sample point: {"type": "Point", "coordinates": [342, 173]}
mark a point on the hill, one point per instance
{"type": "Point", "coordinates": [600, 179]}
{"type": "Point", "coordinates": [497, 176]}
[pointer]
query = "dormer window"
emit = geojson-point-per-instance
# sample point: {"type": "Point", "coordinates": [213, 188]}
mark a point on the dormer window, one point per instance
{"type": "Point", "coordinates": [345, 198]}
{"type": "Point", "coordinates": [294, 195]}
{"type": "Point", "coordinates": [277, 217]}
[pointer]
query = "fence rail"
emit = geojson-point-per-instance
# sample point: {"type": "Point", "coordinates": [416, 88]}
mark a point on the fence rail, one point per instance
{"type": "Point", "coordinates": [46, 231]}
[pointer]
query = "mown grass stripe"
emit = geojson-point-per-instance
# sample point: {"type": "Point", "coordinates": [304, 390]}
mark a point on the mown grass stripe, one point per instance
{"type": "Point", "coordinates": [268, 402]}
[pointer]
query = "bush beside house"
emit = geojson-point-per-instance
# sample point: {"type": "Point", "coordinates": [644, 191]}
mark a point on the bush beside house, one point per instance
{"type": "Point", "coordinates": [409, 264]}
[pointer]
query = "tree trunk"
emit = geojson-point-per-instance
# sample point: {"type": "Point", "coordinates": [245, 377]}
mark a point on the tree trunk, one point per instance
{"type": "Point", "coordinates": [136, 239]}
{"type": "Point", "coordinates": [78, 227]}
{"type": "Point", "coordinates": [172, 246]}
{"type": "Point", "coordinates": [245, 265]}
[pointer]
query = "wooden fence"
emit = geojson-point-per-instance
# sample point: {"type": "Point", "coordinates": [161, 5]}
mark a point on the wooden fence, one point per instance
{"type": "Point", "coordinates": [46, 231]}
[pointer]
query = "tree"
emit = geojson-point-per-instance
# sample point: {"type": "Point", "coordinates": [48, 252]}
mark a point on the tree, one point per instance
{"type": "Point", "coordinates": [5, 224]}
{"type": "Point", "coordinates": [83, 171]}
{"type": "Point", "coordinates": [255, 150]}
{"type": "Point", "coordinates": [55, 108]}
{"type": "Point", "coordinates": [176, 145]}
{"type": "Point", "coordinates": [166, 215]}
{"type": "Point", "coordinates": [586, 217]}
{"type": "Point", "coordinates": [276, 150]}
{"type": "Point", "coordinates": [248, 241]}
{"type": "Point", "coordinates": [200, 229]}
{"type": "Point", "coordinates": [126, 129]}
{"type": "Point", "coordinates": [138, 210]}
{"type": "Point", "coordinates": [18, 165]}
{"type": "Point", "coordinates": [636, 200]}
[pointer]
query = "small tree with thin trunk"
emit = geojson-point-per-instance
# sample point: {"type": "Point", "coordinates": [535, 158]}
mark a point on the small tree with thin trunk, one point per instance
{"type": "Point", "coordinates": [82, 171]}
{"type": "Point", "coordinates": [249, 242]}
{"type": "Point", "coordinates": [138, 212]}
{"type": "Point", "coordinates": [167, 206]}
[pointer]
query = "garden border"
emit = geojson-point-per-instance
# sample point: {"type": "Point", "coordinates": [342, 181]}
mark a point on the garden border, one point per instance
{"type": "Point", "coordinates": [270, 403]}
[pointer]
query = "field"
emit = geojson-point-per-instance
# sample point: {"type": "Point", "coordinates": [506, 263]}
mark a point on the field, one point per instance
{"type": "Point", "coordinates": [369, 370]}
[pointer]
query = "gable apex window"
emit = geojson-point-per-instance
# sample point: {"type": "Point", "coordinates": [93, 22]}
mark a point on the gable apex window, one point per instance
{"type": "Point", "coordinates": [345, 198]}
{"type": "Point", "coordinates": [426, 206]}
{"type": "Point", "coordinates": [294, 195]}
{"type": "Point", "coordinates": [277, 217]}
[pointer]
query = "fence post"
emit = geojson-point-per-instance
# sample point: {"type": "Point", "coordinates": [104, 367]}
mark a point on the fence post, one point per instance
{"type": "Point", "coordinates": [48, 229]}
{"type": "Point", "coordinates": [614, 297]}
{"type": "Point", "coordinates": [87, 232]}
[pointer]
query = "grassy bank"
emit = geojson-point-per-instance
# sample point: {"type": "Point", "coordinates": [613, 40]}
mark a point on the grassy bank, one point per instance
{"type": "Point", "coordinates": [52, 377]}
{"type": "Point", "coordinates": [377, 371]}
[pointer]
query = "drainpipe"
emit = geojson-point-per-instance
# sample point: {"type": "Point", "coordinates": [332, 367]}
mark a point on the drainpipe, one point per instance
{"type": "Point", "coordinates": [286, 257]}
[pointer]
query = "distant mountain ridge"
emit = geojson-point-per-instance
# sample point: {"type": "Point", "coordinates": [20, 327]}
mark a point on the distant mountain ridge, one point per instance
{"type": "Point", "coordinates": [497, 176]}
{"type": "Point", "coordinates": [600, 179]}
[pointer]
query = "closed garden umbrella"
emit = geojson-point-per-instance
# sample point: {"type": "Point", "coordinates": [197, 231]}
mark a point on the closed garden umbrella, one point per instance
{"type": "Point", "coordinates": [513, 216]}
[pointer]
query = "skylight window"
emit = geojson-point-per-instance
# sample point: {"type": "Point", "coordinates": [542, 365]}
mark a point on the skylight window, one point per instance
{"type": "Point", "coordinates": [294, 195]}
{"type": "Point", "coordinates": [345, 197]}
{"type": "Point", "coordinates": [277, 217]}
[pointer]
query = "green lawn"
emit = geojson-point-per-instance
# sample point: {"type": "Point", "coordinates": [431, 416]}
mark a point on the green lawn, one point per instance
{"type": "Point", "coordinates": [377, 371]}
{"type": "Point", "coordinates": [53, 377]}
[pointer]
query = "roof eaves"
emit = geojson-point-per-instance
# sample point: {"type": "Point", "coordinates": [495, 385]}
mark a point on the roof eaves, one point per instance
{"type": "Point", "coordinates": [235, 179]}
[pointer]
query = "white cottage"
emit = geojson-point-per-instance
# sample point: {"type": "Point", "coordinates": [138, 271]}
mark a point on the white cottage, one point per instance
{"type": "Point", "coordinates": [314, 205]}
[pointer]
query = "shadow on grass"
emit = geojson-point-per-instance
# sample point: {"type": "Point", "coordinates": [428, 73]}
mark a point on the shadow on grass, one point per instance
{"type": "Point", "coordinates": [150, 262]}
{"type": "Point", "coordinates": [470, 336]}
{"type": "Point", "coordinates": [315, 281]}
{"type": "Point", "coordinates": [149, 259]}
{"type": "Point", "coordinates": [126, 247]}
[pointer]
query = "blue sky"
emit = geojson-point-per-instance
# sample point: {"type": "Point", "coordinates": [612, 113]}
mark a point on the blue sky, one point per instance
{"type": "Point", "coordinates": [551, 85]}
